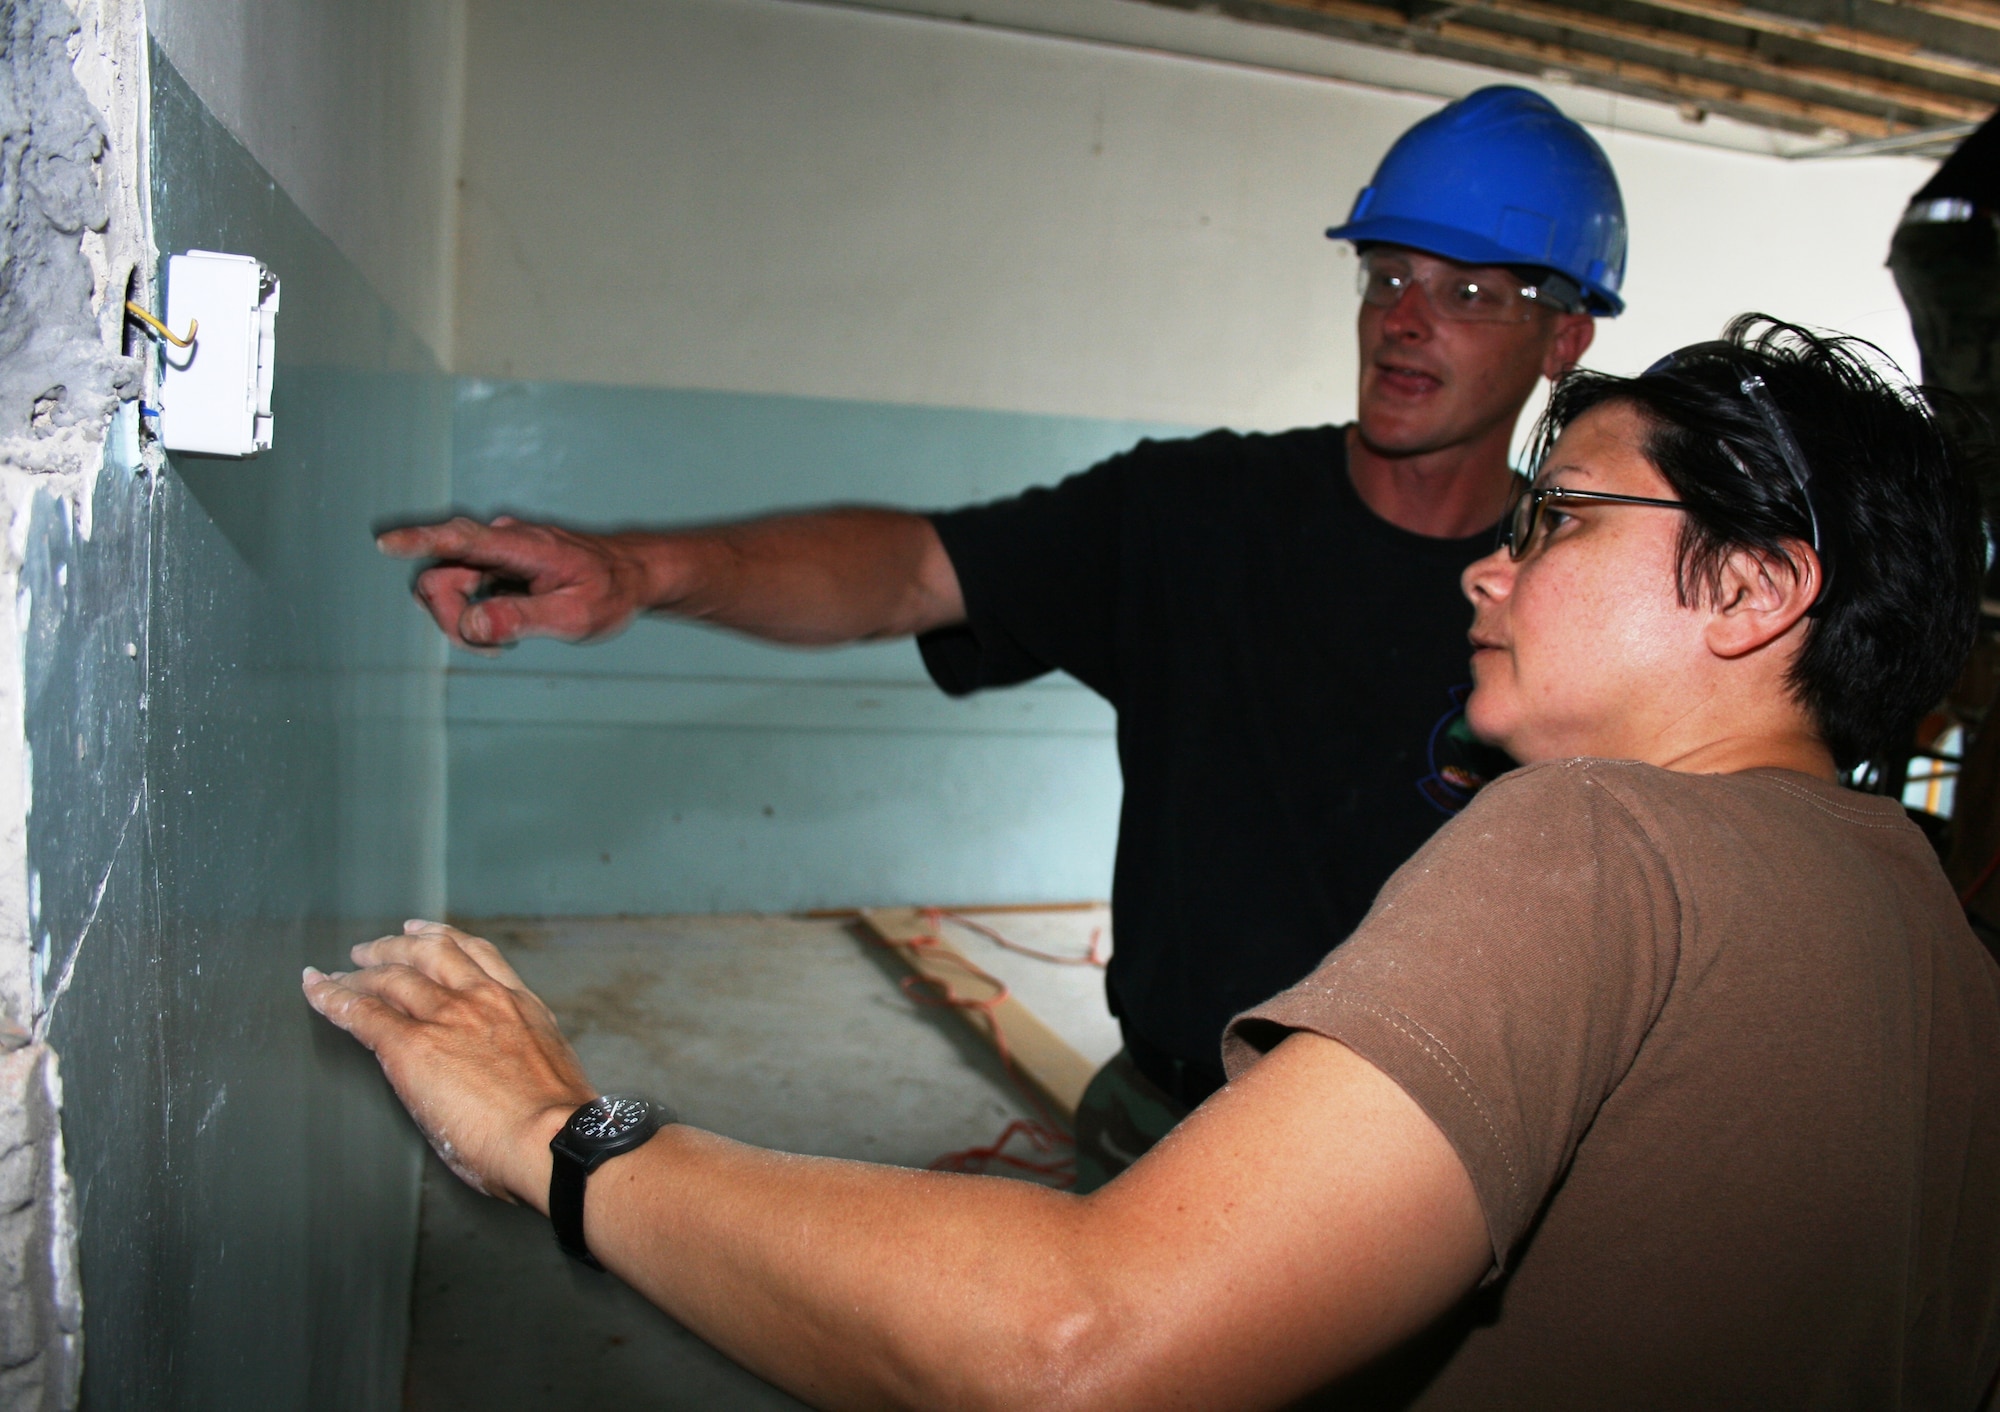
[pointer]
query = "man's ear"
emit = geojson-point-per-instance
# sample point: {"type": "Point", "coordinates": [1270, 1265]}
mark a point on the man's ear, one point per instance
{"type": "Point", "coordinates": [1571, 339]}
{"type": "Point", "coordinates": [1759, 597]}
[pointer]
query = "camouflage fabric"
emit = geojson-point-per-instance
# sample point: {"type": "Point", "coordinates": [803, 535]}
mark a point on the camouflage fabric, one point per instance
{"type": "Point", "coordinates": [1122, 1114]}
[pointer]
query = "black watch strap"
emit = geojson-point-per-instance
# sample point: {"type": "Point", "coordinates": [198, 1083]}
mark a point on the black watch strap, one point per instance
{"type": "Point", "coordinates": [596, 1132]}
{"type": "Point", "coordinates": [567, 1180]}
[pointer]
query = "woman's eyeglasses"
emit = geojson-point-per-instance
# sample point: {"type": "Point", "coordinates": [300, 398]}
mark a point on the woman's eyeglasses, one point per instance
{"type": "Point", "coordinates": [1526, 517]}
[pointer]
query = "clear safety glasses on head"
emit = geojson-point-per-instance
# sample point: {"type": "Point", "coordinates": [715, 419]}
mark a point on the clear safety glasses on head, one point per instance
{"type": "Point", "coordinates": [1758, 395]}
{"type": "Point", "coordinates": [1455, 293]}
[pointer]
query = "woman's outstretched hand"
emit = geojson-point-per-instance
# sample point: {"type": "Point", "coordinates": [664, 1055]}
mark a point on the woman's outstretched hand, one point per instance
{"type": "Point", "coordinates": [474, 1055]}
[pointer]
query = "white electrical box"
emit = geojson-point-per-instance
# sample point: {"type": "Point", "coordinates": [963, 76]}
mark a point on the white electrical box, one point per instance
{"type": "Point", "coordinates": [215, 396]}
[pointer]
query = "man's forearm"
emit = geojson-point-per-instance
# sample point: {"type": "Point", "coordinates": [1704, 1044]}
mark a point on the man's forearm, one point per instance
{"type": "Point", "coordinates": [811, 579]}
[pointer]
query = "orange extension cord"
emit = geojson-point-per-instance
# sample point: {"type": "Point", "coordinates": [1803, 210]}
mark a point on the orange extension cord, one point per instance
{"type": "Point", "coordinates": [1055, 1162]}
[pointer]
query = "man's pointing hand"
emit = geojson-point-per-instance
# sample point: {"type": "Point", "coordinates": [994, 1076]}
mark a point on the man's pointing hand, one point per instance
{"type": "Point", "coordinates": [577, 586]}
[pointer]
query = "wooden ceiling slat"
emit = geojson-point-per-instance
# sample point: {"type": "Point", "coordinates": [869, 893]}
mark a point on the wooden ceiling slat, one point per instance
{"type": "Point", "coordinates": [1968, 12]}
{"type": "Point", "coordinates": [1704, 92]}
{"type": "Point", "coordinates": [1838, 39]}
{"type": "Point", "coordinates": [1868, 91]}
{"type": "Point", "coordinates": [1544, 54]}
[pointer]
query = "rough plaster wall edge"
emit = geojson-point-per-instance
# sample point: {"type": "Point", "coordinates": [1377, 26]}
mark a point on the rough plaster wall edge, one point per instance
{"type": "Point", "coordinates": [85, 220]}
{"type": "Point", "coordinates": [41, 1312]}
{"type": "Point", "coordinates": [68, 227]}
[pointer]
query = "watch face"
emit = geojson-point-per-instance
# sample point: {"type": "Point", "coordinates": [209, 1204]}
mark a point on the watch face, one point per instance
{"type": "Point", "coordinates": [605, 1118]}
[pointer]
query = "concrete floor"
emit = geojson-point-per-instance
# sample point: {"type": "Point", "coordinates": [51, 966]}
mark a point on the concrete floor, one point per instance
{"type": "Point", "coordinates": [786, 1032]}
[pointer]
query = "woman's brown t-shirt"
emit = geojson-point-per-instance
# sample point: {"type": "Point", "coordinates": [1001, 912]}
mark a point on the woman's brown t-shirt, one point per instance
{"type": "Point", "coordinates": [1722, 1058]}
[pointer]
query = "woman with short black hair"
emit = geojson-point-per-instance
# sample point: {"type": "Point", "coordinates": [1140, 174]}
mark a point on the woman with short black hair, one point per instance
{"type": "Point", "coordinates": [1667, 1075]}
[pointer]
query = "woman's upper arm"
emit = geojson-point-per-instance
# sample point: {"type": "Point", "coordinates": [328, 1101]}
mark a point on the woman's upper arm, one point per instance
{"type": "Point", "coordinates": [1306, 1219]}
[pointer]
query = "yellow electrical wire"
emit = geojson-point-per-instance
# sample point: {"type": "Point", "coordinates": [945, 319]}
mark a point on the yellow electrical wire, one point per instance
{"type": "Point", "coordinates": [161, 329]}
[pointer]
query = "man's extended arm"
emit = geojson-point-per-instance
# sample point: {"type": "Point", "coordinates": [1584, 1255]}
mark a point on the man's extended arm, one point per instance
{"type": "Point", "coordinates": [812, 579]}
{"type": "Point", "coordinates": [1305, 1219]}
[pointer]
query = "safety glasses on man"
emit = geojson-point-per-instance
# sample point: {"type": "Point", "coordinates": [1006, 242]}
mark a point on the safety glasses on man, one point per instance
{"type": "Point", "coordinates": [1461, 293]}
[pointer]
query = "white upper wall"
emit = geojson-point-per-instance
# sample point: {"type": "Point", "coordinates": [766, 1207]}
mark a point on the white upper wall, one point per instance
{"type": "Point", "coordinates": [353, 106]}
{"type": "Point", "coordinates": [769, 196]}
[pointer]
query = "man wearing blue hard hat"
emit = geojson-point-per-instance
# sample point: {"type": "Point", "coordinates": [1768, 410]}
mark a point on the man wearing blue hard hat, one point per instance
{"type": "Point", "coordinates": [1276, 618]}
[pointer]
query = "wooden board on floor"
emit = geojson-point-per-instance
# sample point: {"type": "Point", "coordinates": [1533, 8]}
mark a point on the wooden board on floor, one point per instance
{"type": "Point", "coordinates": [1039, 1054]}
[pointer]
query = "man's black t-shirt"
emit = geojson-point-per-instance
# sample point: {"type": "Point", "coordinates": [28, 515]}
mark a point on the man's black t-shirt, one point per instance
{"type": "Point", "coordinates": [1287, 670]}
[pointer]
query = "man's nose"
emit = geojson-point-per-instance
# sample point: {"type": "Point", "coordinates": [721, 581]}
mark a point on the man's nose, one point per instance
{"type": "Point", "coordinates": [1410, 316]}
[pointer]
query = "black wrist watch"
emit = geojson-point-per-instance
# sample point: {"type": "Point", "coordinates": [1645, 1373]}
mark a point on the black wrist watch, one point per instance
{"type": "Point", "coordinates": [595, 1133]}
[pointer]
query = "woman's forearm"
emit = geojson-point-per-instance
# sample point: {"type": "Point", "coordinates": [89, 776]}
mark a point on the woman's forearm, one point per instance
{"type": "Point", "coordinates": [856, 1285]}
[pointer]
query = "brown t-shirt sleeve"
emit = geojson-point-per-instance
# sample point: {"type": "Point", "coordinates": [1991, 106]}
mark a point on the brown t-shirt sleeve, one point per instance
{"type": "Point", "coordinates": [1504, 979]}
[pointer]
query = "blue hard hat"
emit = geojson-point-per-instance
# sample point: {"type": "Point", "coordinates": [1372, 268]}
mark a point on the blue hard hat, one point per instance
{"type": "Point", "coordinates": [1501, 177]}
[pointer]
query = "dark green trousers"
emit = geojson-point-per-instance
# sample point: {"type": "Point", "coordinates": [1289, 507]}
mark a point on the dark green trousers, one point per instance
{"type": "Point", "coordinates": [1122, 1114]}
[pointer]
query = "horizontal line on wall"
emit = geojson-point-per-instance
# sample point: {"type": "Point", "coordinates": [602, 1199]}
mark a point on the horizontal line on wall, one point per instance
{"type": "Point", "coordinates": [497, 699]}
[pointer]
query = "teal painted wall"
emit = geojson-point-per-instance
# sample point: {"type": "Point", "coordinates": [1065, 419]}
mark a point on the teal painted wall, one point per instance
{"type": "Point", "coordinates": [237, 728]}
{"type": "Point", "coordinates": [680, 769]}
